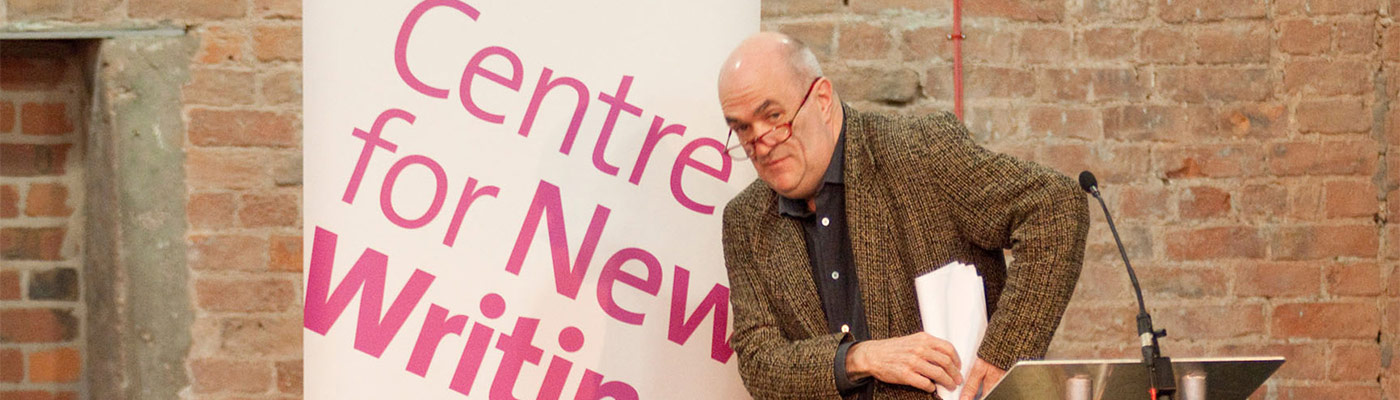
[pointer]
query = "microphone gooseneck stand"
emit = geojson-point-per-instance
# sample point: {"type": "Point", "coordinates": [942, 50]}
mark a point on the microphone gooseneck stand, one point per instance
{"type": "Point", "coordinates": [1162, 381]}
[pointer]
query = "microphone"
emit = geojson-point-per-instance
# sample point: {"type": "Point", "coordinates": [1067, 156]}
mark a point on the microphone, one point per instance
{"type": "Point", "coordinates": [1159, 369]}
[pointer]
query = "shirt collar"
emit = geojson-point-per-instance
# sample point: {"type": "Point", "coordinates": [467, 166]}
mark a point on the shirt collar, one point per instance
{"type": "Point", "coordinates": [835, 175]}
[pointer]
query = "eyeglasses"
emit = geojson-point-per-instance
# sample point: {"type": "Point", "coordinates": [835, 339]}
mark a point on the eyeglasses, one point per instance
{"type": "Point", "coordinates": [773, 137]}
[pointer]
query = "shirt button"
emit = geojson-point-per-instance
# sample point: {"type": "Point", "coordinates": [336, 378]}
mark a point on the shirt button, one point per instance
{"type": "Point", "coordinates": [826, 221]}
{"type": "Point", "coordinates": [845, 328]}
{"type": "Point", "coordinates": [835, 275]}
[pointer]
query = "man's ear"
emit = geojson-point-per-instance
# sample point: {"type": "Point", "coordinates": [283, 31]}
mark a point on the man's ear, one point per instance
{"type": "Point", "coordinates": [825, 98]}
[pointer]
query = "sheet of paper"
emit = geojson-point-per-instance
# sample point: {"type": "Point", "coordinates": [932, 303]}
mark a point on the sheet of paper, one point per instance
{"type": "Point", "coordinates": [953, 307]}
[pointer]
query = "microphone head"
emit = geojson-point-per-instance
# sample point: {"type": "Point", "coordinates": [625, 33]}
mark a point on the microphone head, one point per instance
{"type": "Point", "coordinates": [1087, 182]}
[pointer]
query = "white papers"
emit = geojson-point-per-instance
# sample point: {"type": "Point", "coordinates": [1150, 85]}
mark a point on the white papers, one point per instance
{"type": "Point", "coordinates": [953, 307]}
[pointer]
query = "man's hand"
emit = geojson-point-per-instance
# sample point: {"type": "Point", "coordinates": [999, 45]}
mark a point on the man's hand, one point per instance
{"type": "Point", "coordinates": [919, 360]}
{"type": "Point", "coordinates": [983, 376]}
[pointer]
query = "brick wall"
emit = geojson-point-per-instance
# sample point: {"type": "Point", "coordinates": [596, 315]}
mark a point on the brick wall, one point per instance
{"type": "Point", "coordinates": [1243, 144]}
{"type": "Point", "coordinates": [42, 98]}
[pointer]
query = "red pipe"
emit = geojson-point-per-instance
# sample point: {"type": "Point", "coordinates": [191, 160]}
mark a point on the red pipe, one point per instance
{"type": "Point", "coordinates": [957, 38]}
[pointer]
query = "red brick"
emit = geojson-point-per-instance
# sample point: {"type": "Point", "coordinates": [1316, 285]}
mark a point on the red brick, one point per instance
{"type": "Point", "coordinates": [878, 84]}
{"type": "Point", "coordinates": [989, 44]}
{"type": "Point", "coordinates": [244, 295]}
{"type": "Point", "coordinates": [1263, 201]}
{"type": "Point", "coordinates": [1355, 362]}
{"type": "Point", "coordinates": [775, 8]}
{"type": "Point", "coordinates": [279, 9]}
{"type": "Point", "coordinates": [1136, 202]}
{"type": "Point", "coordinates": [221, 44]}
{"type": "Point", "coordinates": [18, 10]}
{"type": "Point", "coordinates": [7, 116]}
{"type": "Point", "coordinates": [1272, 279]}
{"type": "Point", "coordinates": [1099, 323]}
{"type": "Point", "coordinates": [1327, 77]}
{"type": "Point", "coordinates": [47, 200]}
{"type": "Point", "coordinates": [11, 366]}
{"type": "Point", "coordinates": [1360, 279]}
{"type": "Point", "coordinates": [99, 10]}
{"type": "Point", "coordinates": [45, 119]}
{"type": "Point", "coordinates": [37, 395]}
{"type": "Point", "coordinates": [54, 284]}
{"type": "Point", "coordinates": [1233, 44]}
{"type": "Point", "coordinates": [1166, 45]}
{"type": "Point", "coordinates": [32, 243]}
{"type": "Point", "coordinates": [1185, 283]}
{"type": "Point", "coordinates": [926, 43]}
{"type": "Point", "coordinates": [219, 86]}
{"type": "Point", "coordinates": [1334, 116]}
{"type": "Point", "coordinates": [1220, 161]}
{"type": "Point", "coordinates": [1254, 120]}
{"type": "Point", "coordinates": [217, 375]}
{"type": "Point", "coordinates": [1154, 123]}
{"type": "Point", "coordinates": [1017, 10]}
{"type": "Point", "coordinates": [282, 87]}
{"type": "Point", "coordinates": [820, 36]}
{"type": "Point", "coordinates": [1324, 242]}
{"type": "Point", "coordinates": [1326, 320]}
{"type": "Point", "coordinates": [1121, 10]}
{"type": "Point", "coordinates": [1069, 123]}
{"type": "Point", "coordinates": [1390, 44]}
{"type": "Point", "coordinates": [1210, 10]}
{"type": "Point", "coordinates": [1305, 202]}
{"type": "Point", "coordinates": [1091, 84]}
{"type": "Point", "coordinates": [1350, 199]}
{"type": "Point", "coordinates": [186, 9]}
{"type": "Point", "coordinates": [1326, 158]}
{"type": "Point", "coordinates": [31, 73]}
{"type": "Point", "coordinates": [242, 128]}
{"type": "Point", "coordinates": [1357, 36]}
{"type": "Point", "coordinates": [33, 159]}
{"type": "Point", "coordinates": [277, 42]}
{"type": "Point", "coordinates": [285, 252]}
{"type": "Point", "coordinates": [880, 6]}
{"type": "Point", "coordinates": [289, 376]}
{"type": "Point", "coordinates": [210, 210]}
{"type": "Point", "coordinates": [1304, 37]}
{"type": "Point", "coordinates": [37, 325]}
{"type": "Point", "coordinates": [1212, 321]}
{"type": "Point", "coordinates": [1305, 360]}
{"type": "Point", "coordinates": [1215, 243]}
{"type": "Point", "coordinates": [863, 42]}
{"type": "Point", "coordinates": [9, 201]}
{"type": "Point", "coordinates": [1204, 84]}
{"type": "Point", "coordinates": [1203, 202]}
{"type": "Point", "coordinates": [227, 168]}
{"type": "Point", "coordinates": [1392, 235]}
{"type": "Point", "coordinates": [9, 285]}
{"type": "Point", "coordinates": [260, 210]}
{"type": "Point", "coordinates": [1107, 43]}
{"type": "Point", "coordinates": [1045, 45]}
{"type": "Point", "coordinates": [1327, 7]}
{"type": "Point", "coordinates": [261, 337]}
{"type": "Point", "coordinates": [228, 253]}
{"type": "Point", "coordinates": [62, 365]}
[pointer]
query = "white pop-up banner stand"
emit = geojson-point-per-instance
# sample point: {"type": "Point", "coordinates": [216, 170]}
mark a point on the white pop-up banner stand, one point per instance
{"type": "Point", "coordinates": [518, 199]}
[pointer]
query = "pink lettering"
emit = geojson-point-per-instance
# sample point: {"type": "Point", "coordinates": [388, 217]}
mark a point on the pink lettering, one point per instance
{"type": "Point", "coordinates": [322, 308]}
{"type": "Point", "coordinates": [437, 325]}
{"type": "Point", "coordinates": [544, 87]}
{"type": "Point", "coordinates": [439, 193]}
{"type": "Point", "coordinates": [401, 45]}
{"type": "Point", "coordinates": [619, 104]}
{"type": "Point", "coordinates": [547, 203]}
{"type": "Point", "coordinates": [686, 159]}
{"type": "Point", "coordinates": [474, 69]}
{"type": "Point", "coordinates": [469, 195]}
{"type": "Point", "coordinates": [372, 140]}
{"type": "Point", "coordinates": [717, 301]}
{"type": "Point", "coordinates": [653, 136]}
{"type": "Point", "coordinates": [612, 274]}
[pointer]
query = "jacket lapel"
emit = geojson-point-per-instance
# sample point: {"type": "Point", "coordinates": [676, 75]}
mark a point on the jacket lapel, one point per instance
{"type": "Point", "coordinates": [785, 247]}
{"type": "Point", "coordinates": [872, 242]}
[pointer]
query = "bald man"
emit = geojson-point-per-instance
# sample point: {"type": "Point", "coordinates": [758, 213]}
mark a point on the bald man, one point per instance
{"type": "Point", "coordinates": [822, 251]}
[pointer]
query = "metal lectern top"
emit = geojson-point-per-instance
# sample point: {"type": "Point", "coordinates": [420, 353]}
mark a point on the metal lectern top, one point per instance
{"type": "Point", "coordinates": [1224, 378]}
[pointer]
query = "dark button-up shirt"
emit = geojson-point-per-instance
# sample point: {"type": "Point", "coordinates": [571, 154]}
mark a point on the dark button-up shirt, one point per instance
{"type": "Point", "coordinates": [833, 271]}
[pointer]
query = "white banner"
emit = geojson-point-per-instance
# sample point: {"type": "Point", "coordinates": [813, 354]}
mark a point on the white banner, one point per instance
{"type": "Point", "coordinates": [518, 199]}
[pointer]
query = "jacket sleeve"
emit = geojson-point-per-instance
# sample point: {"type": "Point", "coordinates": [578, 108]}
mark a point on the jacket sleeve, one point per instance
{"type": "Point", "coordinates": [1001, 202]}
{"type": "Point", "coordinates": [772, 366]}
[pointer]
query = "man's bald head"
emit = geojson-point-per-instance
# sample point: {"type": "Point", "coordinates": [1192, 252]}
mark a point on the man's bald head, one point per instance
{"type": "Point", "coordinates": [766, 53]}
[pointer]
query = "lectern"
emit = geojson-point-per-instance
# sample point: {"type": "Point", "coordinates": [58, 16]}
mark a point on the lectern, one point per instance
{"type": "Point", "coordinates": [1196, 379]}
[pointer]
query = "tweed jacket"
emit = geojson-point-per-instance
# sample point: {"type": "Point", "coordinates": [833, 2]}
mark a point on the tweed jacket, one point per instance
{"type": "Point", "coordinates": [919, 194]}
